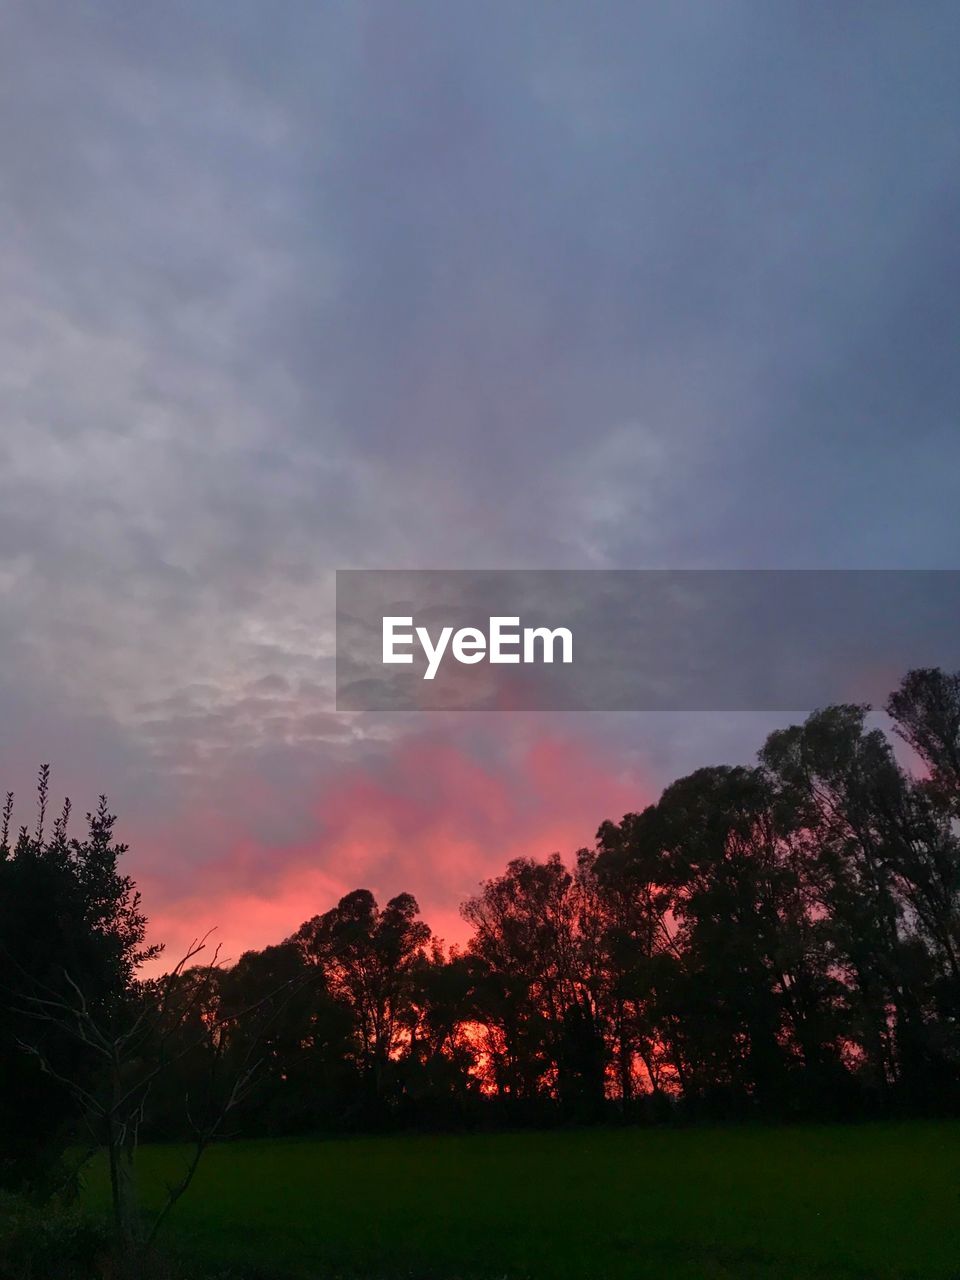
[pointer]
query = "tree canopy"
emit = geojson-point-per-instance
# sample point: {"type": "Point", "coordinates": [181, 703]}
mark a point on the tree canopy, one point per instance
{"type": "Point", "coordinates": [777, 939]}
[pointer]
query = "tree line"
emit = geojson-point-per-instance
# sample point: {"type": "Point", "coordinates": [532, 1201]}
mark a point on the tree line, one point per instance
{"type": "Point", "coordinates": [775, 940]}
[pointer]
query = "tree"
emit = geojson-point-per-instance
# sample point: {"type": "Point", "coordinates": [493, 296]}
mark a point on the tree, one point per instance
{"type": "Point", "coordinates": [166, 1022]}
{"type": "Point", "coordinates": [306, 1076]}
{"type": "Point", "coordinates": [639, 954]}
{"type": "Point", "coordinates": [731, 895]}
{"type": "Point", "coordinates": [926, 713]}
{"type": "Point", "coordinates": [368, 959]}
{"type": "Point", "coordinates": [540, 989]}
{"type": "Point", "coordinates": [856, 807]}
{"type": "Point", "coordinates": [68, 917]}
{"type": "Point", "coordinates": [782, 939]}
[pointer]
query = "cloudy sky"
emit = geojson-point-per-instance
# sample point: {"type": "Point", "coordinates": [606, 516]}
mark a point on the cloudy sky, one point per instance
{"type": "Point", "coordinates": [296, 287]}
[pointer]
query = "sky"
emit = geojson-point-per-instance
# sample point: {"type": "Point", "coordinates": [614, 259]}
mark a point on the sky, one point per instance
{"type": "Point", "coordinates": [296, 287]}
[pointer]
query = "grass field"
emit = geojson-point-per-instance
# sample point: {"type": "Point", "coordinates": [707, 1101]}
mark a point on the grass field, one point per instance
{"type": "Point", "coordinates": [869, 1201]}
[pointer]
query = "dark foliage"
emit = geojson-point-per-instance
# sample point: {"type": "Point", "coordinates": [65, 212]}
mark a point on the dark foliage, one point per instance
{"type": "Point", "coordinates": [776, 941]}
{"type": "Point", "coordinates": [68, 917]}
{"type": "Point", "coordinates": [772, 941]}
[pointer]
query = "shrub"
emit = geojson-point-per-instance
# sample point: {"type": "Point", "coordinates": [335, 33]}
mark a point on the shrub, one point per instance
{"type": "Point", "coordinates": [38, 1241]}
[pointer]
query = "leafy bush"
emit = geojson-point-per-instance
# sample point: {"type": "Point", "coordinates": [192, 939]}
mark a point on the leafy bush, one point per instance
{"type": "Point", "coordinates": [41, 1241]}
{"type": "Point", "coordinates": [52, 1240]}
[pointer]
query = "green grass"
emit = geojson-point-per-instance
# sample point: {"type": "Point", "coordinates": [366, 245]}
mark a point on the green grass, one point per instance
{"type": "Point", "coordinates": [878, 1201]}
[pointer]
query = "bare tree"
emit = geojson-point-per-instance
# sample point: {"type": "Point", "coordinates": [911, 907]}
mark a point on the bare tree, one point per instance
{"type": "Point", "coordinates": [165, 1021]}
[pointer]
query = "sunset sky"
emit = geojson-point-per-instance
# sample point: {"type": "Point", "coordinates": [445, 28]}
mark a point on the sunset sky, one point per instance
{"type": "Point", "coordinates": [302, 287]}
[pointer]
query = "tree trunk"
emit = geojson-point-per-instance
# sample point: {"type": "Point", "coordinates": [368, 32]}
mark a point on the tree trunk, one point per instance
{"type": "Point", "coordinates": [126, 1216]}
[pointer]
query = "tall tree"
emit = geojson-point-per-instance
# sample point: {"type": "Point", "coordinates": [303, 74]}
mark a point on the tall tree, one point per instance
{"type": "Point", "coordinates": [853, 798]}
{"type": "Point", "coordinates": [368, 958]}
{"type": "Point", "coordinates": [68, 918]}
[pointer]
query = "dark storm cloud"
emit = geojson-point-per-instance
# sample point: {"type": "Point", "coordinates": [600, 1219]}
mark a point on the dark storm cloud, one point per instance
{"type": "Point", "coordinates": [296, 287]}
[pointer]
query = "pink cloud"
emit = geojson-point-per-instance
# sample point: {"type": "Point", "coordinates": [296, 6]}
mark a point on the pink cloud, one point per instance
{"type": "Point", "coordinates": [429, 816]}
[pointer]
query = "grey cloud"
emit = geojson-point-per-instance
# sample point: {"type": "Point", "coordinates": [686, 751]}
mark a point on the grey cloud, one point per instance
{"type": "Point", "coordinates": [437, 284]}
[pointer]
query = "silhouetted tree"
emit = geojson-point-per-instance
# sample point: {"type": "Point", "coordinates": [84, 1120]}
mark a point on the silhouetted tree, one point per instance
{"type": "Point", "coordinates": [368, 958]}
{"type": "Point", "coordinates": [779, 939]}
{"type": "Point", "coordinates": [68, 918]}
{"type": "Point", "coordinates": [852, 794]}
